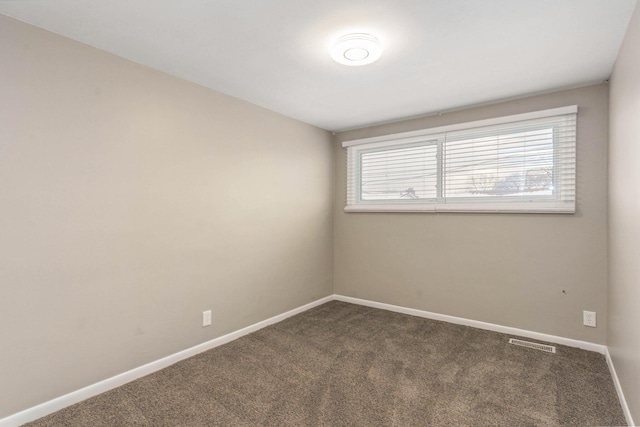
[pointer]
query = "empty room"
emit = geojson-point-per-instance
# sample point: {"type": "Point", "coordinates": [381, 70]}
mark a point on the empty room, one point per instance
{"type": "Point", "coordinates": [330, 213]}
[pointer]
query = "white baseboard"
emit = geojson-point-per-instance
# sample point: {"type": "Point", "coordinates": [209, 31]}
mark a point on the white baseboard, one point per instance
{"type": "Point", "coordinates": [602, 349]}
{"type": "Point", "coordinates": [121, 379]}
{"type": "Point", "coordinates": [616, 382]}
{"type": "Point", "coordinates": [61, 402]}
{"type": "Point", "coordinates": [476, 324]}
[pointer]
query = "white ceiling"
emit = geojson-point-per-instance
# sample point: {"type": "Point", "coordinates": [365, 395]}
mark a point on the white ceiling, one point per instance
{"type": "Point", "coordinates": [438, 54]}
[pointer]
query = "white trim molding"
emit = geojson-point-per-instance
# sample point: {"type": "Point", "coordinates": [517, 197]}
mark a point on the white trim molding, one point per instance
{"type": "Point", "coordinates": [61, 402]}
{"type": "Point", "coordinates": [598, 348]}
{"type": "Point", "coordinates": [69, 399]}
{"type": "Point", "coordinates": [616, 382]}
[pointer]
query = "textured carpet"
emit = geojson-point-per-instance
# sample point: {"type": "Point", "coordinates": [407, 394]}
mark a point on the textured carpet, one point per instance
{"type": "Point", "coordinates": [345, 365]}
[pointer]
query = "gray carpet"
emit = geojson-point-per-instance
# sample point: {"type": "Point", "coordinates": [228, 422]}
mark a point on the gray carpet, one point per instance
{"type": "Point", "coordinates": [346, 365]}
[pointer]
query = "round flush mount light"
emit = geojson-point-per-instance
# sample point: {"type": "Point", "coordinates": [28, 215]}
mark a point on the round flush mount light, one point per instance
{"type": "Point", "coordinates": [356, 49]}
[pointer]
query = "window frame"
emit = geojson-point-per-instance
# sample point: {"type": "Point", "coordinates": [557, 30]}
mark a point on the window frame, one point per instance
{"type": "Point", "coordinates": [417, 142]}
{"type": "Point", "coordinates": [561, 201]}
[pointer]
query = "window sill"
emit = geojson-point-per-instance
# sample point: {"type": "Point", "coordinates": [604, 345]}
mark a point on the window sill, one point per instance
{"type": "Point", "coordinates": [531, 207]}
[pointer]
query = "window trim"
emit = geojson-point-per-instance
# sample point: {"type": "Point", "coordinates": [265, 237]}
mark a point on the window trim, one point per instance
{"type": "Point", "coordinates": [437, 135]}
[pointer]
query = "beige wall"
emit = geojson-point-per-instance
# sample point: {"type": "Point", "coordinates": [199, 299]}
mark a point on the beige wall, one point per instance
{"type": "Point", "coordinates": [623, 336]}
{"type": "Point", "coordinates": [130, 202]}
{"type": "Point", "coordinates": [507, 269]}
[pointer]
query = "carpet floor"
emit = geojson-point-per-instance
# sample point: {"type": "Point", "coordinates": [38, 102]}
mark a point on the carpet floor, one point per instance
{"type": "Point", "coordinates": [341, 364]}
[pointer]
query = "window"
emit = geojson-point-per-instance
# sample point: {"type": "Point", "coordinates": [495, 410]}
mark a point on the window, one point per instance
{"type": "Point", "coordinates": [522, 163]}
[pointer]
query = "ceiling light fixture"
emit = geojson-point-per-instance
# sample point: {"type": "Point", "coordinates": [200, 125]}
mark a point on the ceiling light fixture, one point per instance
{"type": "Point", "coordinates": [356, 49]}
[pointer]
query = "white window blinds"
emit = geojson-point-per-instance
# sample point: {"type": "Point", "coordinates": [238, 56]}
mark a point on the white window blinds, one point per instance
{"type": "Point", "coordinates": [523, 163]}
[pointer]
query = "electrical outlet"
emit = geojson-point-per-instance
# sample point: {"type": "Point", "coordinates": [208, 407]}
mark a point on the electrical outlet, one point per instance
{"type": "Point", "coordinates": [589, 318]}
{"type": "Point", "coordinates": [206, 318]}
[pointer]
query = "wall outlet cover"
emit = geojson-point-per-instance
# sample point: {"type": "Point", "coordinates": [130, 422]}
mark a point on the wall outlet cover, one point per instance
{"type": "Point", "coordinates": [589, 318]}
{"type": "Point", "coordinates": [206, 318]}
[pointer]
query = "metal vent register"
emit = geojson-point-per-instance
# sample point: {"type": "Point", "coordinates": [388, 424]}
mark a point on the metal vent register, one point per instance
{"type": "Point", "coordinates": [533, 345]}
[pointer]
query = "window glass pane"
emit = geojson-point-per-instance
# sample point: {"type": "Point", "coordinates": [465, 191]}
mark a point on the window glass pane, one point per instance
{"type": "Point", "coordinates": [520, 163]}
{"type": "Point", "coordinates": [403, 174]}
{"type": "Point", "coordinates": [500, 164]}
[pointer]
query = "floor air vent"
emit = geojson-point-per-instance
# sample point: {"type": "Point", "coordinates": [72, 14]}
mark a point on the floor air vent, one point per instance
{"type": "Point", "coordinates": [533, 345]}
